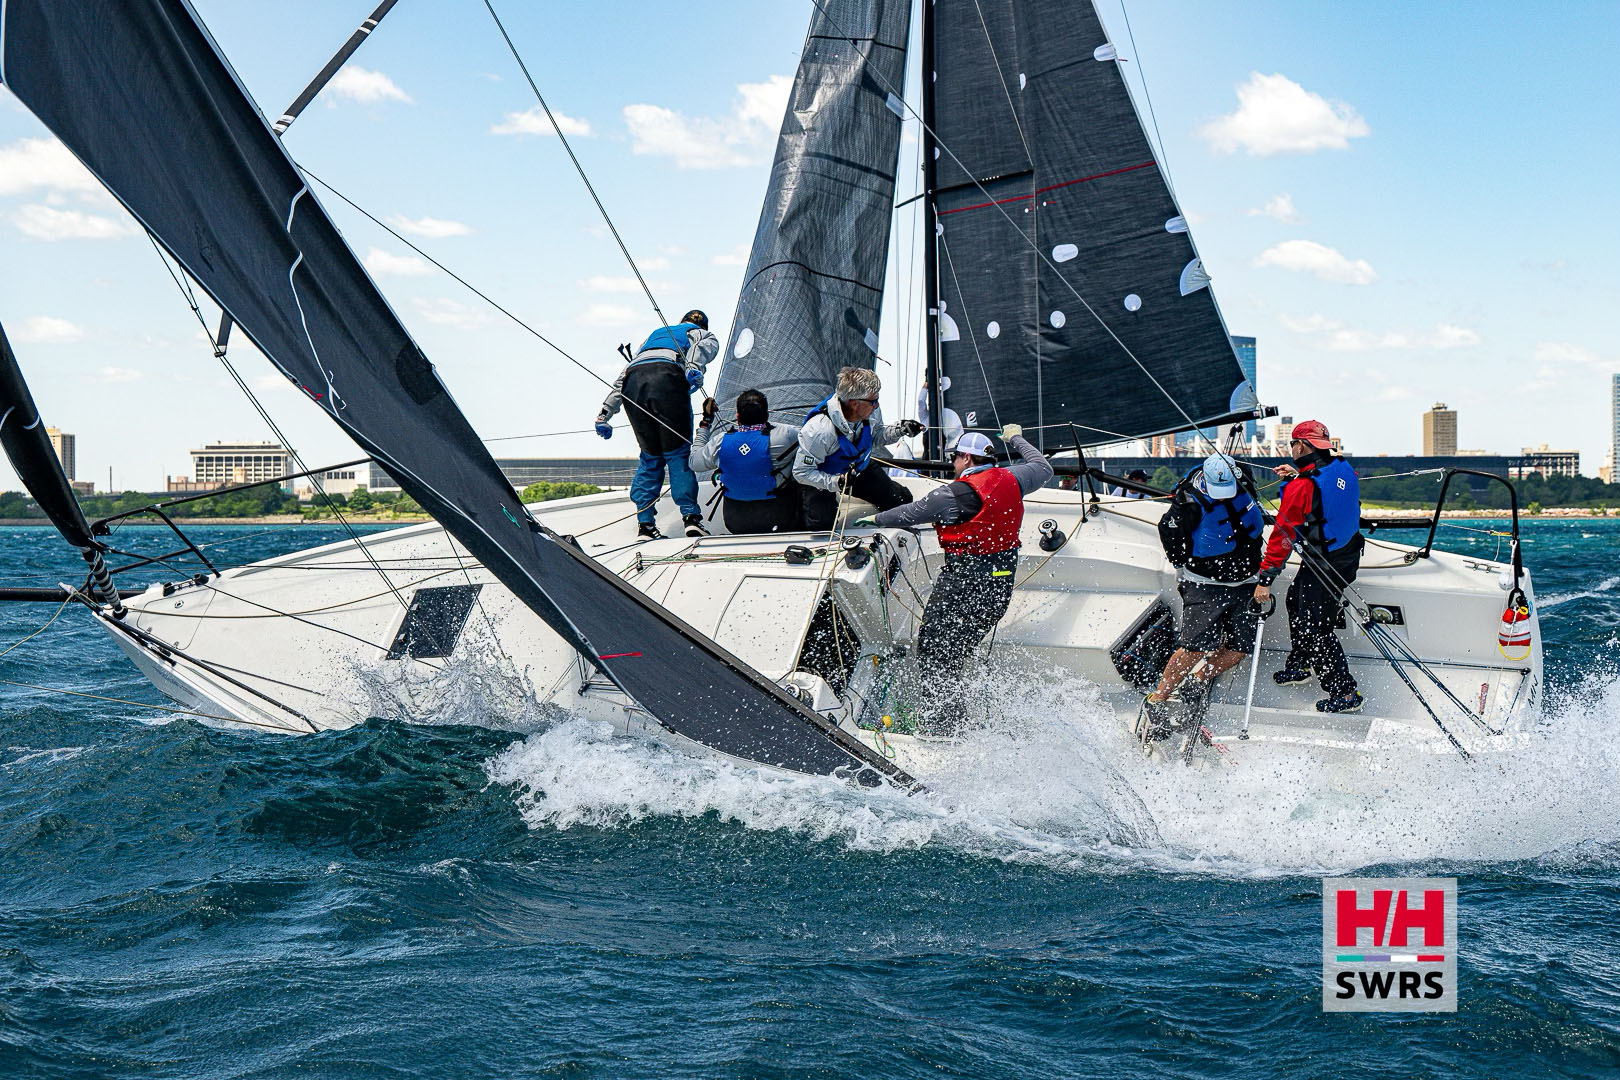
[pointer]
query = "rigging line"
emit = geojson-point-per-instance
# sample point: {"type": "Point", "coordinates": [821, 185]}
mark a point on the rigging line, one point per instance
{"type": "Point", "coordinates": [63, 607]}
{"type": "Point", "coordinates": [219, 353]}
{"type": "Point", "coordinates": [1001, 75]}
{"type": "Point", "coordinates": [577, 166]}
{"type": "Point", "coordinates": [972, 336]}
{"type": "Point", "coordinates": [1141, 73]}
{"type": "Point", "coordinates": [171, 708]}
{"type": "Point", "coordinates": [878, 77]}
{"type": "Point", "coordinates": [485, 297]}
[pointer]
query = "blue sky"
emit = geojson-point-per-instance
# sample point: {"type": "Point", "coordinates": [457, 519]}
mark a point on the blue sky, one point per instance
{"type": "Point", "coordinates": [1404, 204]}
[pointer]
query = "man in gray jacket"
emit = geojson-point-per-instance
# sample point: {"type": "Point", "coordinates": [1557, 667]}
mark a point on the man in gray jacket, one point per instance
{"type": "Point", "coordinates": [835, 449]}
{"type": "Point", "coordinates": [755, 460]}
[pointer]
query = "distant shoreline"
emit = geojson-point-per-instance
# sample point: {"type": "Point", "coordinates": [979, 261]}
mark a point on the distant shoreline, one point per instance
{"type": "Point", "coordinates": [267, 519]}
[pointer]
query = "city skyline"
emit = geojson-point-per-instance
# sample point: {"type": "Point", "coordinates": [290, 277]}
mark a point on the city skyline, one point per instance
{"type": "Point", "coordinates": [1381, 254]}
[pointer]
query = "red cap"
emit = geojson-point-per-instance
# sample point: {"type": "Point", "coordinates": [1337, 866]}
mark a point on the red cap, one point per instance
{"type": "Point", "coordinates": [1313, 432]}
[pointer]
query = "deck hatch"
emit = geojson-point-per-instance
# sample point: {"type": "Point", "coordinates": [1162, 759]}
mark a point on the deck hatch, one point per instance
{"type": "Point", "coordinates": [433, 622]}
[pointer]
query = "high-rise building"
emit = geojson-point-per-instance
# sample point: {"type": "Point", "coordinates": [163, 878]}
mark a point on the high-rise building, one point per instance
{"type": "Point", "coordinates": [1614, 433]}
{"type": "Point", "coordinates": [225, 464]}
{"type": "Point", "coordinates": [1440, 431]}
{"type": "Point", "coordinates": [1245, 349]}
{"type": "Point", "coordinates": [67, 449]}
{"type": "Point", "coordinates": [1545, 461]}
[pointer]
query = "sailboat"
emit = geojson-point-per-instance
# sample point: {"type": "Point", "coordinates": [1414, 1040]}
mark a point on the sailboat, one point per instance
{"type": "Point", "coordinates": [1062, 291]}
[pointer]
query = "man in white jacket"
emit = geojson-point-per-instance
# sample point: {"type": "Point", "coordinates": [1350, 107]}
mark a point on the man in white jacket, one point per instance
{"type": "Point", "coordinates": [835, 449]}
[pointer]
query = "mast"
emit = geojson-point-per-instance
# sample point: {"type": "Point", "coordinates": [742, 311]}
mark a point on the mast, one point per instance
{"type": "Point", "coordinates": [934, 436]}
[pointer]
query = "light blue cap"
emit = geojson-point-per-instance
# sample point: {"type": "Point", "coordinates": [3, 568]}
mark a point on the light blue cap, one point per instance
{"type": "Point", "coordinates": [1219, 480]}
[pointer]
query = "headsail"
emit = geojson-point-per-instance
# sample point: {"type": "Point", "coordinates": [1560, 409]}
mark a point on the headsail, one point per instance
{"type": "Point", "coordinates": [814, 285]}
{"type": "Point", "coordinates": [138, 91]}
{"type": "Point", "coordinates": [1029, 97]}
{"type": "Point", "coordinates": [22, 434]}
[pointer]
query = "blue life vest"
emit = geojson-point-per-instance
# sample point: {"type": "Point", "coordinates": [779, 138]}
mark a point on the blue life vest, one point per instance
{"type": "Point", "coordinates": [850, 456]}
{"type": "Point", "coordinates": [1336, 517]}
{"type": "Point", "coordinates": [1226, 541]}
{"type": "Point", "coordinates": [673, 338]}
{"type": "Point", "coordinates": [746, 467]}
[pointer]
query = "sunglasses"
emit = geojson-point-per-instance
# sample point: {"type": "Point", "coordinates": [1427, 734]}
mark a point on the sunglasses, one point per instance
{"type": "Point", "coordinates": [864, 400]}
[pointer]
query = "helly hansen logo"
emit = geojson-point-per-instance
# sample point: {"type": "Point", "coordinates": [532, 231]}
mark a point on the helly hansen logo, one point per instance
{"type": "Point", "coordinates": [1389, 944]}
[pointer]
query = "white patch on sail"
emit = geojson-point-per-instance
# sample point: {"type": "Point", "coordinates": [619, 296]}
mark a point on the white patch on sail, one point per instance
{"type": "Point", "coordinates": [1193, 277]}
{"type": "Point", "coordinates": [745, 344]}
{"type": "Point", "coordinates": [993, 330]}
{"type": "Point", "coordinates": [1064, 252]}
{"type": "Point", "coordinates": [1058, 319]}
{"type": "Point", "coordinates": [1133, 302]}
{"type": "Point", "coordinates": [1176, 224]}
{"type": "Point", "coordinates": [948, 330]}
{"type": "Point", "coordinates": [896, 106]}
{"type": "Point", "coordinates": [1105, 52]}
{"type": "Point", "coordinates": [936, 153]}
{"type": "Point", "coordinates": [939, 228]}
{"type": "Point", "coordinates": [1022, 81]}
{"type": "Point", "coordinates": [871, 340]}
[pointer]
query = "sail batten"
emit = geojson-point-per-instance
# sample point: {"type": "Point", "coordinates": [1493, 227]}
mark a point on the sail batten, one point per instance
{"type": "Point", "coordinates": [138, 91]}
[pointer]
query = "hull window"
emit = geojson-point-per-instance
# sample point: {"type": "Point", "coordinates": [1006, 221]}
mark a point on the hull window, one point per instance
{"type": "Point", "coordinates": [433, 622]}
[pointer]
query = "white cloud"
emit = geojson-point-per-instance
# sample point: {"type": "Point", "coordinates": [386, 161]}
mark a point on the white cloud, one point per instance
{"type": "Point", "coordinates": [1276, 115]}
{"type": "Point", "coordinates": [119, 375]}
{"type": "Point", "coordinates": [48, 223]}
{"type": "Point", "coordinates": [48, 330]}
{"type": "Point", "coordinates": [444, 311]}
{"type": "Point", "coordinates": [1280, 207]}
{"type": "Point", "coordinates": [605, 283]}
{"type": "Point", "coordinates": [608, 315]}
{"type": "Point", "coordinates": [1559, 362]}
{"type": "Point", "coordinates": [365, 86]}
{"type": "Point", "coordinates": [384, 264]}
{"type": "Point", "coordinates": [1308, 256]}
{"type": "Point", "coordinates": [1333, 336]}
{"type": "Point", "coordinates": [28, 164]}
{"type": "Point", "coordinates": [533, 122]}
{"type": "Point", "coordinates": [745, 136]}
{"type": "Point", "coordinates": [657, 262]}
{"type": "Point", "coordinates": [737, 256]}
{"type": "Point", "coordinates": [431, 227]}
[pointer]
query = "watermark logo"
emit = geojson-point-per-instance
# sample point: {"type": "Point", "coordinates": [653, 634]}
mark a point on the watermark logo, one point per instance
{"type": "Point", "coordinates": [1389, 944]}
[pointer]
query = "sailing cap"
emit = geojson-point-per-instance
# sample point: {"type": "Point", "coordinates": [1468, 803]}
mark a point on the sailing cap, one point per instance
{"type": "Point", "coordinates": [1217, 478]}
{"type": "Point", "coordinates": [975, 443]}
{"type": "Point", "coordinates": [1314, 433]}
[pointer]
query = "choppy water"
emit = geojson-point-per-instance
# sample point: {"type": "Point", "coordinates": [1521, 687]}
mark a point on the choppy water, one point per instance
{"type": "Point", "coordinates": [453, 900]}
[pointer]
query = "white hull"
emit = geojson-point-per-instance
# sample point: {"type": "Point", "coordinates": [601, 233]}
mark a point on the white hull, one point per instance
{"type": "Point", "coordinates": [301, 642]}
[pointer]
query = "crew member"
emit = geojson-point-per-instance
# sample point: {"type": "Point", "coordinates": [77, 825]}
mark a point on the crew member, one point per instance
{"type": "Point", "coordinates": [755, 459]}
{"type": "Point", "coordinates": [1320, 510]}
{"type": "Point", "coordinates": [1211, 532]}
{"type": "Point", "coordinates": [1140, 476]}
{"type": "Point", "coordinates": [835, 448]}
{"type": "Point", "coordinates": [657, 386]}
{"type": "Point", "coordinates": [977, 518]}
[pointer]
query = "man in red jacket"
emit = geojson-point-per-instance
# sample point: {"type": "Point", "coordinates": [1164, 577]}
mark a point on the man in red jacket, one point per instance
{"type": "Point", "coordinates": [1320, 510]}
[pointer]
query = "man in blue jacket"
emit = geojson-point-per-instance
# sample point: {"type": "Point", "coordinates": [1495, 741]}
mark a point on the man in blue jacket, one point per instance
{"type": "Point", "coordinates": [658, 385]}
{"type": "Point", "coordinates": [755, 460]}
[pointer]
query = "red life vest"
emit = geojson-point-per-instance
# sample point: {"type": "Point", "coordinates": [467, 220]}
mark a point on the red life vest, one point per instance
{"type": "Point", "coordinates": [995, 527]}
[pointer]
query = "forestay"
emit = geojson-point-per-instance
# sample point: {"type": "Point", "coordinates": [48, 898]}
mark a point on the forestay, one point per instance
{"type": "Point", "coordinates": [814, 285]}
{"type": "Point", "coordinates": [139, 92]}
{"type": "Point", "coordinates": [1030, 99]}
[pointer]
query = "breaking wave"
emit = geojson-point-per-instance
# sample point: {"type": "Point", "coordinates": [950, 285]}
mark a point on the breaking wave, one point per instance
{"type": "Point", "coordinates": [1055, 780]}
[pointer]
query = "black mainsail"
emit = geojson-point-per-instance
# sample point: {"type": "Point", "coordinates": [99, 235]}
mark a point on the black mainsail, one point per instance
{"type": "Point", "coordinates": [138, 91]}
{"type": "Point", "coordinates": [1049, 198]}
{"type": "Point", "coordinates": [814, 285]}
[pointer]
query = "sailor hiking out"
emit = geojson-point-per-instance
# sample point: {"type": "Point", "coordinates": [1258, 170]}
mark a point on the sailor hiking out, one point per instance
{"type": "Point", "coordinates": [977, 518]}
{"type": "Point", "coordinates": [755, 461]}
{"type": "Point", "coordinates": [1211, 533]}
{"type": "Point", "coordinates": [1319, 511]}
{"type": "Point", "coordinates": [835, 448]}
{"type": "Point", "coordinates": [656, 389]}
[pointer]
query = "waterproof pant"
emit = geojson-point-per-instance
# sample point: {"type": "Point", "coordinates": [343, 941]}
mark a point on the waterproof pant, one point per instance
{"type": "Point", "coordinates": [1313, 609]}
{"type": "Point", "coordinates": [872, 484]}
{"type": "Point", "coordinates": [658, 404]}
{"type": "Point", "coordinates": [970, 596]}
{"type": "Point", "coordinates": [780, 513]}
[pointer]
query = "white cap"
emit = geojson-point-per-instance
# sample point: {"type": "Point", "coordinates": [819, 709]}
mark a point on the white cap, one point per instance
{"type": "Point", "coordinates": [975, 443]}
{"type": "Point", "coordinates": [1217, 478]}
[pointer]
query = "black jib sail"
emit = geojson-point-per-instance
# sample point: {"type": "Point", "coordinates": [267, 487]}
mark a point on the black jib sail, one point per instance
{"type": "Point", "coordinates": [138, 91]}
{"type": "Point", "coordinates": [23, 435]}
{"type": "Point", "coordinates": [1029, 99]}
{"type": "Point", "coordinates": [810, 298]}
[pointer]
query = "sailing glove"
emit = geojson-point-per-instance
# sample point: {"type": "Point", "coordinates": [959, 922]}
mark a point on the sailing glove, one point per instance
{"type": "Point", "coordinates": [711, 407]}
{"type": "Point", "coordinates": [1011, 431]}
{"type": "Point", "coordinates": [911, 427]}
{"type": "Point", "coordinates": [694, 379]}
{"type": "Point", "coordinates": [604, 429]}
